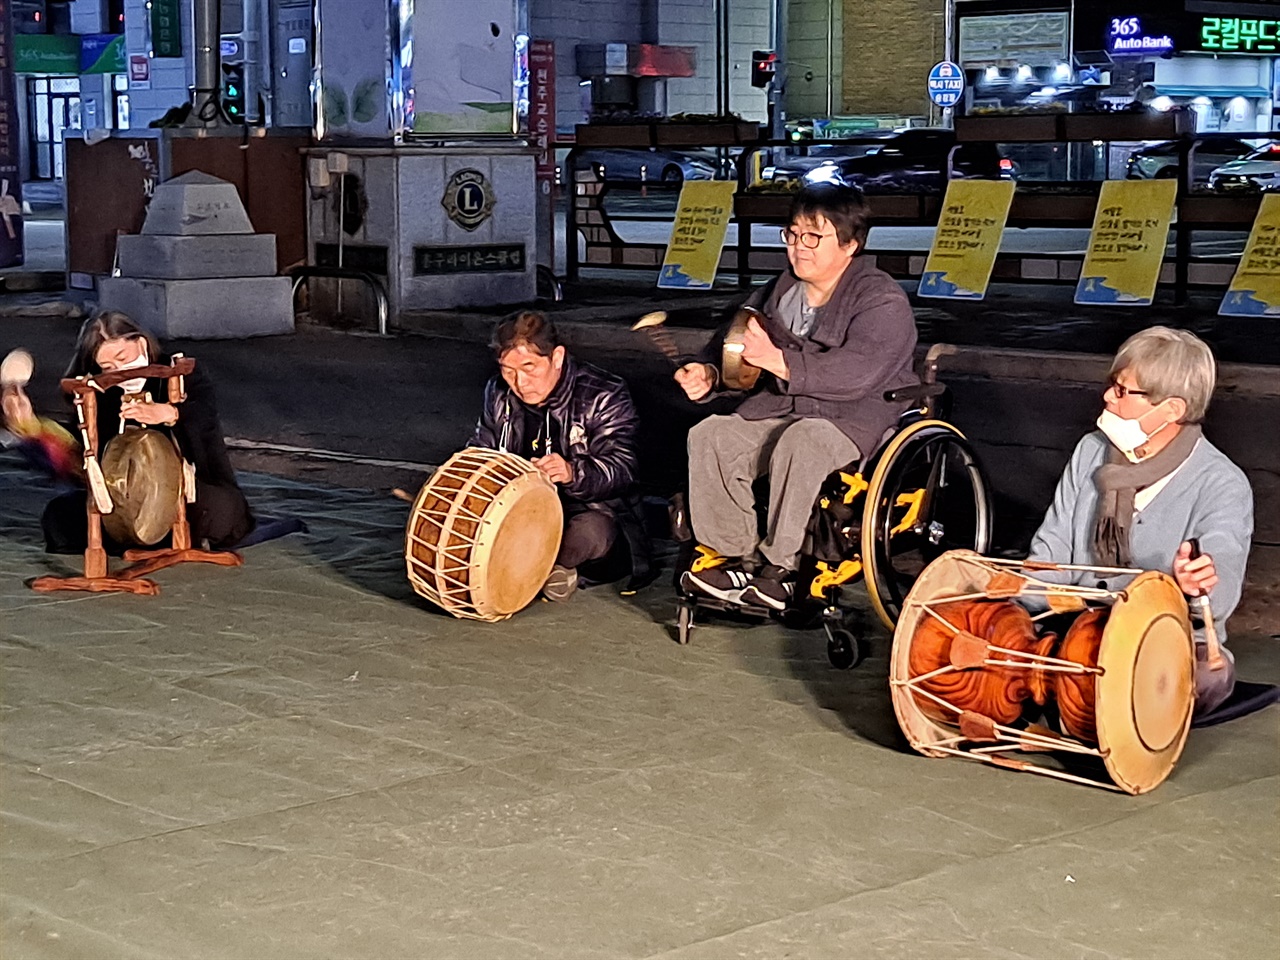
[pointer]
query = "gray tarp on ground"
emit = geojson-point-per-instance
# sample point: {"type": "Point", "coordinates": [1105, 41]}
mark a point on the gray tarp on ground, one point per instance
{"type": "Point", "coordinates": [299, 758]}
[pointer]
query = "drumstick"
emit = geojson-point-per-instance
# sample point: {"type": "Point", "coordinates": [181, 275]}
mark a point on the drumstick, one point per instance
{"type": "Point", "coordinates": [652, 324]}
{"type": "Point", "coordinates": [1216, 660]}
{"type": "Point", "coordinates": [400, 494]}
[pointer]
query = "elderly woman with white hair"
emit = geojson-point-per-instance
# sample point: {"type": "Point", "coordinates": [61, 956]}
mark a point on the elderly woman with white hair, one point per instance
{"type": "Point", "coordinates": [1147, 483]}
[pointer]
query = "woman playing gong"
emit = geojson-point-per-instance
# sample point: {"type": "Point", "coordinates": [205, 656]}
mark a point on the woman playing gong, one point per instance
{"type": "Point", "coordinates": [111, 342]}
{"type": "Point", "coordinates": [1148, 488]}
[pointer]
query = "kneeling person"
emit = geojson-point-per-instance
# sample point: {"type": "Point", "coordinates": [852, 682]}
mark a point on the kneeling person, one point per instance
{"type": "Point", "coordinates": [577, 424]}
{"type": "Point", "coordinates": [1145, 484]}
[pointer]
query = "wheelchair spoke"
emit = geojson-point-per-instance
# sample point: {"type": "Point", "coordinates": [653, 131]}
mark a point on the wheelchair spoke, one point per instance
{"type": "Point", "coordinates": [933, 498]}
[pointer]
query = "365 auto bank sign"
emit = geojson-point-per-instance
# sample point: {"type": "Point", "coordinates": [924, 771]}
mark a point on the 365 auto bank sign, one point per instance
{"type": "Point", "coordinates": [1126, 35]}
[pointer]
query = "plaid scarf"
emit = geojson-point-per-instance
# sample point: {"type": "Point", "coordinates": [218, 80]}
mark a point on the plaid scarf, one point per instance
{"type": "Point", "coordinates": [1118, 482]}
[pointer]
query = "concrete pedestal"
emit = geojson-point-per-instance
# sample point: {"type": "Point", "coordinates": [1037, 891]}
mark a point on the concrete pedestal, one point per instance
{"type": "Point", "coordinates": [442, 226]}
{"type": "Point", "coordinates": [203, 309]}
{"type": "Point", "coordinates": [197, 257]}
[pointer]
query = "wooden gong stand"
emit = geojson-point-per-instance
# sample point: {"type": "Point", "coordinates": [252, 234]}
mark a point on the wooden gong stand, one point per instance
{"type": "Point", "coordinates": [97, 577]}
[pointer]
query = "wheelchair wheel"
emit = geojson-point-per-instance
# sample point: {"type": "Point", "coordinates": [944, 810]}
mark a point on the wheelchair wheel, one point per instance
{"type": "Point", "coordinates": [684, 621]}
{"type": "Point", "coordinates": [927, 495]}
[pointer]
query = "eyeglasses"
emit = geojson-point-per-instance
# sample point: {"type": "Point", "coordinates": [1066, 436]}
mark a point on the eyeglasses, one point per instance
{"type": "Point", "coordinates": [808, 240]}
{"type": "Point", "coordinates": [1122, 391]}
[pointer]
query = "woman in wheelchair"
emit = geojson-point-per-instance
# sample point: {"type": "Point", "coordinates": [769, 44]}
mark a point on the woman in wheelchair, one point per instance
{"type": "Point", "coordinates": [838, 333]}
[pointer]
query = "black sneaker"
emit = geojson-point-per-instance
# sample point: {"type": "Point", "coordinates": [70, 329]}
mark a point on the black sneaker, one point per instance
{"type": "Point", "coordinates": [562, 583]}
{"type": "Point", "coordinates": [773, 587]}
{"type": "Point", "coordinates": [723, 583]}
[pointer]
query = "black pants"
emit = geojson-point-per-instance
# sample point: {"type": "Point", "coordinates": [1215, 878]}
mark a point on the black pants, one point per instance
{"type": "Point", "coordinates": [588, 535]}
{"type": "Point", "coordinates": [220, 515]}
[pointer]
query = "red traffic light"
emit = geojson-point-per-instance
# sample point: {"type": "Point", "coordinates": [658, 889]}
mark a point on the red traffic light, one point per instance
{"type": "Point", "coordinates": [764, 66]}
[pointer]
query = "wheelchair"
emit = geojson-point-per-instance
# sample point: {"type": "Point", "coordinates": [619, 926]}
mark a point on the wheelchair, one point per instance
{"type": "Point", "coordinates": [881, 520]}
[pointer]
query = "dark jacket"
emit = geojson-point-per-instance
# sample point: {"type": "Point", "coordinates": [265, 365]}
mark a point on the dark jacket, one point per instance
{"type": "Point", "coordinates": [592, 423]}
{"type": "Point", "coordinates": [862, 344]}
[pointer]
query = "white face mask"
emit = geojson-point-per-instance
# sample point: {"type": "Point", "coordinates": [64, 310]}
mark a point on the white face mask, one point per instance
{"type": "Point", "coordinates": [1127, 435]}
{"type": "Point", "coordinates": [135, 385]}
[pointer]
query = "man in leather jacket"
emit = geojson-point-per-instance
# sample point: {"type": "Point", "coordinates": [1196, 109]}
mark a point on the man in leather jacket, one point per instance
{"type": "Point", "coordinates": [577, 424]}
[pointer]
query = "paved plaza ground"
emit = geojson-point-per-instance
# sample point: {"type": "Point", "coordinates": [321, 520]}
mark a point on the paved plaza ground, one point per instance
{"type": "Point", "coordinates": [299, 758]}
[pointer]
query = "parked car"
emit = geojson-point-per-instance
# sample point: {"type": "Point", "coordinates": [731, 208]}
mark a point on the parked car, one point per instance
{"type": "Point", "coordinates": [788, 165]}
{"type": "Point", "coordinates": [1160, 160]}
{"type": "Point", "coordinates": [654, 165]}
{"type": "Point", "coordinates": [1259, 172]}
{"type": "Point", "coordinates": [913, 162]}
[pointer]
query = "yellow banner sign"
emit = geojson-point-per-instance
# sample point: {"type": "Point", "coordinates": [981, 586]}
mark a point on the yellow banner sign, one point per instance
{"type": "Point", "coordinates": [1255, 289]}
{"type": "Point", "coordinates": [697, 236]}
{"type": "Point", "coordinates": [967, 239]}
{"type": "Point", "coordinates": [1126, 247]}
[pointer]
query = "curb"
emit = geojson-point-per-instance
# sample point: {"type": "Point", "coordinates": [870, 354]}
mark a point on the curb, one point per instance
{"type": "Point", "coordinates": [995, 363]}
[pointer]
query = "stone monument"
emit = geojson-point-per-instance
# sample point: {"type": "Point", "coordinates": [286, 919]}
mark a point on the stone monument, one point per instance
{"type": "Point", "coordinates": [198, 270]}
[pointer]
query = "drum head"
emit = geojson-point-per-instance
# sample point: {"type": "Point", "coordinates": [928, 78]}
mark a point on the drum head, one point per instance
{"type": "Point", "coordinates": [1147, 688]}
{"type": "Point", "coordinates": [144, 478]}
{"type": "Point", "coordinates": [516, 546]}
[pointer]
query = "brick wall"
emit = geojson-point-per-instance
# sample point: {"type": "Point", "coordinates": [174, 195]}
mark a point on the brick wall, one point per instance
{"type": "Point", "coordinates": [171, 77]}
{"type": "Point", "coordinates": [571, 22]}
{"type": "Point", "coordinates": [692, 23]}
{"type": "Point", "coordinates": [889, 46]}
{"type": "Point", "coordinates": [807, 53]}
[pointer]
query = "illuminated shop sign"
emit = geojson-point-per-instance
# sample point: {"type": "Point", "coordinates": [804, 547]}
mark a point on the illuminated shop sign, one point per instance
{"type": "Point", "coordinates": [1125, 35]}
{"type": "Point", "coordinates": [1238, 35]}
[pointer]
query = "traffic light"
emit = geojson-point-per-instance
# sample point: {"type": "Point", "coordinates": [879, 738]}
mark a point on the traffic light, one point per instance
{"type": "Point", "coordinates": [764, 64]}
{"type": "Point", "coordinates": [30, 16]}
{"type": "Point", "coordinates": [233, 91]}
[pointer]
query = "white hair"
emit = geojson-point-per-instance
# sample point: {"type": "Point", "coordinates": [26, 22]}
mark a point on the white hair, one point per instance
{"type": "Point", "coordinates": [1170, 363]}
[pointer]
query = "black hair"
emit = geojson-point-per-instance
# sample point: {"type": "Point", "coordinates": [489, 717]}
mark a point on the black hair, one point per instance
{"type": "Point", "coordinates": [843, 205]}
{"type": "Point", "coordinates": [529, 328]}
{"type": "Point", "coordinates": [97, 330]}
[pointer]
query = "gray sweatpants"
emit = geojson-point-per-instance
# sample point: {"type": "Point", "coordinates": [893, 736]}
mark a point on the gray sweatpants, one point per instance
{"type": "Point", "coordinates": [726, 453]}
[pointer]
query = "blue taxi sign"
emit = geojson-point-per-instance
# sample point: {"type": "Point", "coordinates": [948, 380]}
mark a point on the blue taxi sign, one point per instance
{"type": "Point", "coordinates": [946, 83]}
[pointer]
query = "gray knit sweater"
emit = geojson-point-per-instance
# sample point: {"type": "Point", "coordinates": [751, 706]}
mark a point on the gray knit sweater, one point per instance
{"type": "Point", "coordinates": [1209, 497]}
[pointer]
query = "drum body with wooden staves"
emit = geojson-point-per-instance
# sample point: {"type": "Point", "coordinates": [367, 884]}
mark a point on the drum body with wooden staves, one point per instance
{"type": "Point", "coordinates": [971, 654]}
{"type": "Point", "coordinates": [483, 534]}
{"type": "Point", "coordinates": [143, 473]}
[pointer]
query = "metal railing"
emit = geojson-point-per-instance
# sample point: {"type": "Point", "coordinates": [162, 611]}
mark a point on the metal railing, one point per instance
{"type": "Point", "coordinates": [300, 274]}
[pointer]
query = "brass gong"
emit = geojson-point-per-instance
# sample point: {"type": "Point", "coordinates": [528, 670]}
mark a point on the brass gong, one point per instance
{"type": "Point", "coordinates": [144, 478]}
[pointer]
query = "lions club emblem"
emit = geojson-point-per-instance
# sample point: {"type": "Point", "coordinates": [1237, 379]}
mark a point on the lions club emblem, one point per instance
{"type": "Point", "coordinates": [468, 199]}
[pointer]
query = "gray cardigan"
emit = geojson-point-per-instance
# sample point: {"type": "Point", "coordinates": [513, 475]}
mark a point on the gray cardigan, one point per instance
{"type": "Point", "coordinates": [1209, 498]}
{"type": "Point", "coordinates": [862, 344]}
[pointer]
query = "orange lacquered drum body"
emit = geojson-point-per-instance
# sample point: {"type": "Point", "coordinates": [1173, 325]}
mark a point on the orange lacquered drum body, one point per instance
{"type": "Point", "coordinates": [483, 534]}
{"type": "Point", "coordinates": [969, 657]}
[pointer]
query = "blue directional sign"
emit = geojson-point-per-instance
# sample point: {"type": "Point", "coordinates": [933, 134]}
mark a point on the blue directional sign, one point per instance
{"type": "Point", "coordinates": [946, 84]}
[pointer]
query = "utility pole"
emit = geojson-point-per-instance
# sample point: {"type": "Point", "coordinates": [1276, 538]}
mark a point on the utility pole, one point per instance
{"type": "Point", "coordinates": [778, 86]}
{"type": "Point", "coordinates": [206, 98]}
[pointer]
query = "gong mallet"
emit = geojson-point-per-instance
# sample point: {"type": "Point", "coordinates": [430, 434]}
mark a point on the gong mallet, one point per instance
{"type": "Point", "coordinates": [1216, 660]}
{"type": "Point", "coordinates": [652, 324]}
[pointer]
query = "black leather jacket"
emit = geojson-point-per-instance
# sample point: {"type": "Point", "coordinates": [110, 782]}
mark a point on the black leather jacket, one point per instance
{"type": "Point", "coordinates": [591, 422]}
